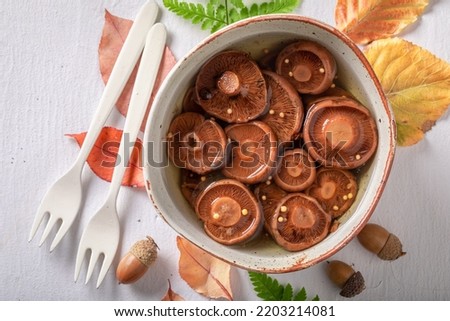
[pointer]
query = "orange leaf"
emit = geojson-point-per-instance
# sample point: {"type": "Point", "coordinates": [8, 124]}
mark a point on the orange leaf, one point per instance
{"type": "Point", "coordinates": [367, 20]}
{"type": "Point", "coordinates": [102, 158]}
{"type": "Point", "coordinates": [203, 272]}
{"type": "Point", "coordinates": [115, 31]}
{"type": "Point", "coordinates": [171, 295]}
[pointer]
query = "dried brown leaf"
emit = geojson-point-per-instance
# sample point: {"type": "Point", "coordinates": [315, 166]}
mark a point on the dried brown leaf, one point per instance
{"type": "Point", "coordinates": [203, 272]}
{"type": "Point", "coordinates": [115, 31]}
{"type": "Point", "coordinates": [416, 82]}
{"type": "Point", "coordinates": [171, 295]}
{"type": "Point", "coordinates": [367, 20]}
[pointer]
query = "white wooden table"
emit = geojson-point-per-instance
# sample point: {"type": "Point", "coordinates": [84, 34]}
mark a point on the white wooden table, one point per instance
{"type": "Point", "coordinates": [50, 86]}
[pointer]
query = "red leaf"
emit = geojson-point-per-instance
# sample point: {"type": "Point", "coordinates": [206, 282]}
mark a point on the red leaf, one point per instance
{"type": "Point", "coordinates": [115, 31]}
{"type": "Point", "coordinates": [103, 156]}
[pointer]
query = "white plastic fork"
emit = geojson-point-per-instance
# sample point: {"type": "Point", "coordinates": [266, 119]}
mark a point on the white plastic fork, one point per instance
{"type": "Point", "coordinates": [102, 233]}
{"type": "Point", "coordinates": [62, 201]}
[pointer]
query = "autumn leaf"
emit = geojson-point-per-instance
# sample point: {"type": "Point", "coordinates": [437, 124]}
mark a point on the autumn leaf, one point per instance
{"type": "Point", "coordinates": [171, 295]}
{"type": "Point", "coordinates": [367, 20]}
{"type": "Point", "coordinates": [115, 31]}
{"type": "Point", "coordinates": [416, 83]}
{"type": "Point", "coordinates": [103, 155]}
{"type": "Point", "coordinates": [203, 272]}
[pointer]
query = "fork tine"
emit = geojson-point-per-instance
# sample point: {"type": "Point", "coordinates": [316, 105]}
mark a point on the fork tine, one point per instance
{"type": "Point", "coordinates": [50, 224]}
{"type": "Point", "coordinates": [59, 235]}
{"type": "Point", "coordinates": [79, 261]}
{"type": "Point", "coordinates": [92, 262]}
{"type": "Point", "coordinates": [107, 261]}
{"type": "Point", "coordinates": [36, 223]}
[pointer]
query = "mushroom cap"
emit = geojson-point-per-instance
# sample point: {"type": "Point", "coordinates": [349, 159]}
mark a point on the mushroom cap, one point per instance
{"type": "Point", "coordinates": [296, 171]}
{"type": "Point", "coordinates": [231, 87]}
{"type": "Point", "coordinates": [340, 132]}
{"type": "Point", "coordinates": [254, 154]}
{"type": "Point", "coordinates": [333, 91]}
{"type": "Point", "coordinates": [188, 183]}
{"type": "Point", "coordinates": [190, 103]}
{"type": "Point", "coordinates": [191, 183]}
{"type": "Point", "coordinates": [299, 222]}
{"type": "Point", "coordinates": [308, 66]}
{"type": "Point", "coordinates": [180, 127]}
{"type": "Point", "coordinates": [334, 189]}
{"type": "Point", "coordinates": [230, 211]}
{"type": "Point", "coordinates": [196, 144]}
{"type": "Point", "coordinates": [285, 114]}
{"type": "Point", "coordinates": [269, 196]}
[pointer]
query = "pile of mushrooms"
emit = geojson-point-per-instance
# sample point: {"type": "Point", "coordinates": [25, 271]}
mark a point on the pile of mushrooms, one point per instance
{"type": "Point", "coordinates": [271, 144]}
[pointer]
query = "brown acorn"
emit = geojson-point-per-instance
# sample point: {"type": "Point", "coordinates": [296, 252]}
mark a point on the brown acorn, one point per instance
{"type": "Point", "coordinates": [344, 276]}
{"type": "Point", "coordinates": [137, 261]}
{"type": "Point", "coordinates": [378, 240]}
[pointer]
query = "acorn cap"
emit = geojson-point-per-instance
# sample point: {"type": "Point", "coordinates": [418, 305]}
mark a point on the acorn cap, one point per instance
{"type": "Point", "coordinates": [354, 285]}
{"type": "Point", "coordinates": [392, 250]}
{"type": "Point", "coordinates": [145, 251]}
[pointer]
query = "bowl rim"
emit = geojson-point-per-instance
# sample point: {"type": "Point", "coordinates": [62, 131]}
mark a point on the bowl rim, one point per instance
{"type": "Point", "coordinates": [368, 209]}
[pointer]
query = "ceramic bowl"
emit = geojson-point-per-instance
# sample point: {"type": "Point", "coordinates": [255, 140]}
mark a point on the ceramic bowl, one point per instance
{"type": "Point", "coordinates": [254, 35]}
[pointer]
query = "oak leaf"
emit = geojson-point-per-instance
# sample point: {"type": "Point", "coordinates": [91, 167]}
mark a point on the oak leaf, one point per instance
{"type": "Point", "coordinates": [367, 20]}
{"type": "Point", "coordinates": [203, 272]}
{"type": "Point", "coordinates": [115, 31]}
{"type": "Point", "coordinates": [102, 158]}
{"type": "Point", "coordinates": [416, 82]}
{"type": "Point", "coordinates": [172, 295]}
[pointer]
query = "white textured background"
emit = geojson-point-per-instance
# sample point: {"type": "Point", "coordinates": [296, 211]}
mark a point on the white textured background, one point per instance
{"type": "Point", "coordinates": [50, 85]}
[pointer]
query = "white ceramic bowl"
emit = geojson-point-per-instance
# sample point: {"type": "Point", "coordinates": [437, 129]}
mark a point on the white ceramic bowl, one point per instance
{"type": "Point", "coordinates": [253, 35]}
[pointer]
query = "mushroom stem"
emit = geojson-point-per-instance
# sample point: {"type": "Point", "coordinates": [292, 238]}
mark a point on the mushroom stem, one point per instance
{"type": "Point", "coordinates": [229, 83]}
{"type": "Point", "coordinates": [191, 141]}
{"type": "Point", "coordinates": [302, 73]}
{"type": "Point", "coordinates": [225, 211]}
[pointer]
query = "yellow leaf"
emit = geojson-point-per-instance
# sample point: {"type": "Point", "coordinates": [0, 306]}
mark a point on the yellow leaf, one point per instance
{"type": "Point", "coordinates": [203, 272]}
{"type": "Point", "coordinates": [416, 82]}
{"type": "Point", "coordinates": [367, 20]}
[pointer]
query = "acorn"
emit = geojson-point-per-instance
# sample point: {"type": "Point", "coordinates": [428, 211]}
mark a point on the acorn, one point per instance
{"type": "Point", "coordinates": [378, 240]}
{"type": "Point", "coordinates": [137, 261]}
{"type": "Point", "coordinates": [344, 276]}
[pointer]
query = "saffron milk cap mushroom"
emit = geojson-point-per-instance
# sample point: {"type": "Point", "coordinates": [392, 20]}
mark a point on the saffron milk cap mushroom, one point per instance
{"type": "Point", "coordinates": [285, 115]}
{"type": "Point", "coordinates": [340, 132]}
{"type": "Point", "coordinates": [230, 211]}
{"type": "Point", "coordinates": [253, 154]}
{"type": "Point", "coordinates": [309, 66]}
{"type": "Point", "coordinates": [231, 87]}
{"type": "Point", "coordinates": [196, 143]}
